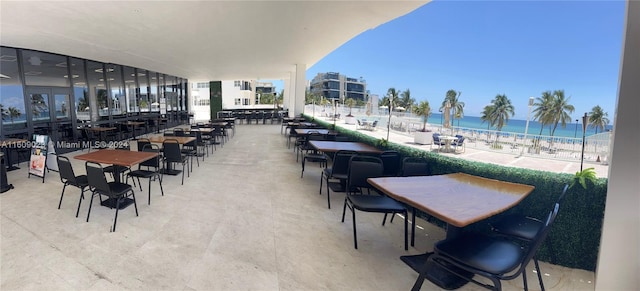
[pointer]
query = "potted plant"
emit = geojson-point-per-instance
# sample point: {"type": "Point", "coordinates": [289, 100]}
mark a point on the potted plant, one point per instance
{"type": "Point", "coordinates": [350, 119]}
{"type": "Point", "coordinates": [423, 136]}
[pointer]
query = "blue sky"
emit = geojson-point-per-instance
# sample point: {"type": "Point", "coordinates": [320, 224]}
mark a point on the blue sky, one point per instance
{"type": "Point", "coordinates": [484, 48]}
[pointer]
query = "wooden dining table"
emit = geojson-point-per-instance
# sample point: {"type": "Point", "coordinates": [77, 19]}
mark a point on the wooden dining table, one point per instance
{"type": "Point", "coordinates": [307, 130]}
{"type": "Point", "coordinates": [334, 146]}
{"type": "Point", "coordinates": [180, 139]}
{"type": "Point", "coordinates": [457, 199]}
{"type": "Point", "coordinates": [123, 158]}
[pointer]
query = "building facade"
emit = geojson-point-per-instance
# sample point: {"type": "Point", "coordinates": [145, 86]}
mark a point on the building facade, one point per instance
{"type": "Point", "coordinates": [333, 85]}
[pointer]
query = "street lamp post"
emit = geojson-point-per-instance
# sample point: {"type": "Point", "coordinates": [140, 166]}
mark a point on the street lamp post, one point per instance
{"type": "Point", "coordinates": [585, 120]}
{"type": "Point", "coordinates": [440, 110]}
{"type": "Point", "coordinates": [575, 133]}
{"type": "Point", "coordinates": [526, 126]}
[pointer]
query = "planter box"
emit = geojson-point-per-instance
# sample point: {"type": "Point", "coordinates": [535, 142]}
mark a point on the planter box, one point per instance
{"type": "Point", "coordinates": [421, 137]}
{"type": "Point", "coordinates": [350, 120]}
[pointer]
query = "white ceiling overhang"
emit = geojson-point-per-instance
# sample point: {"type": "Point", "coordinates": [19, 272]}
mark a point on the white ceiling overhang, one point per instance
{"type": "Point", "coordinates": [199, 40]}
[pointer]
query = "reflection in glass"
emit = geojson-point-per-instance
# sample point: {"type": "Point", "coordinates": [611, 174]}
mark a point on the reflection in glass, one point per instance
{"type": "Point", "coordinates": [142, 95]}
{"type": "Point", "coordinates": [154, 102]}
{"type": "Point", "coordinates": [117, 98]}
{"type": "Point", "coordinates": [12, 103]}
{"type": "Point", "coordinates": [62, 106]}
{"type": "Point", "coordinates": [39, 106]}
{"type": "Point", "coordinates": [130, 90]}
{"type": "Point", "coordinates": [80, 90]}
{"type": "Point", "coordinates": [97, 91]}
{"type": "Point", "coordinates": [171, 93]}
{"type": "Point", "coordinates": [44, 69]}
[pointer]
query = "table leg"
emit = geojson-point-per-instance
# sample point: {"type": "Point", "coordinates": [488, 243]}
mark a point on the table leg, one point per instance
{"type": "Point", "coordinates": [10, 166]}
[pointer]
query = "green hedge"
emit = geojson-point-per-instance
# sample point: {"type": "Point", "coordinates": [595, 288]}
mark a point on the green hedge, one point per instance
{"type": "Point", "coordinates": [574, 239]}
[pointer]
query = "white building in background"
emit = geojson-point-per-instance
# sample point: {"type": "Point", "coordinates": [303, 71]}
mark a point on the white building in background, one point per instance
{"type": "Point", "coordinates": [236, 94]}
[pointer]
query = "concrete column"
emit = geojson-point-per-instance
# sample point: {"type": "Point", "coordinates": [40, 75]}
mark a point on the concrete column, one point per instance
{"type": "Point", "coordinates": [286, 94]}
{"type": "Point", "coordinates": [300, 87]}
{"type": "Point", "coordinates": [619, 257]}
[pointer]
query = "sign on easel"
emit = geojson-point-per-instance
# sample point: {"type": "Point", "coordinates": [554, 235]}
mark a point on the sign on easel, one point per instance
{"type": "Point", "coordinates": [37, 163]}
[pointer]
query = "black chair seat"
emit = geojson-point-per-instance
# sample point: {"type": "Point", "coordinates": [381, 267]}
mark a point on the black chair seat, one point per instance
{"type": "Point", "coordinates": [315, 157]}
{"type": "Point", "coordinates": [142, 174]}
{"type": "Point", "coordinates": [490, 254]}
{"type": "Point", "coordinates": [118, 189]}
{"type": "Point", "coordinates": [375, 203]}
{"type": "Point", "coordinates": [521, 227]}
{"type": "Point", "coordinates": [81, 181]}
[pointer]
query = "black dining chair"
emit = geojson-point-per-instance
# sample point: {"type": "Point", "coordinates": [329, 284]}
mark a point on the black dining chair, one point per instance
{"type": "Point", "coordinates": [68, 177]}
{"type": "Point", "coordinates": [339, 171]}
{"type": "Point", "coordinates": [414, 166]}
{"type": "Point", "coordinates": [493, 257]}
{"type": "Point", "coordinates": [360, 169]}
{"type": "Point", "coordinates": [173, 155]}
{"type": "Point", "coordinates": [150, 169]}
{"type": "Point", "coordinates": [392, 161]}
{"type": "Point", "coordinates": [112, 190]}
{"type": "Point", "coordinates": [524, 229]}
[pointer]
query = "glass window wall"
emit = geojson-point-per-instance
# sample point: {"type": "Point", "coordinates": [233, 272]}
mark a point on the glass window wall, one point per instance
{"type": "Point", "coordinates": [12, 105]}
{"type": "Point", "coordinates": [154, 99]}
{"type": "Point", "coordinates": [117, 98]}
{"type": "Point", "coordinates": [130, 87]}
{"type": "Point", "coordinates": [98, 95]}
{"type": "Point", "coordinates": [80, 91]}
{"type": "Point", "coordinates": [142, 92]}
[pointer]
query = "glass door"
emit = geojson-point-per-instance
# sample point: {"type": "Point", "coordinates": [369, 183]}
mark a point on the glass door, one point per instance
{"type": "Point", "coordinates": [49, 111]}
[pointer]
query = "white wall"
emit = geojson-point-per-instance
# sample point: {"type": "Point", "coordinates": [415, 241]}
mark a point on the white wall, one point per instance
{"type": "Point", "coordinates": [619, 257]}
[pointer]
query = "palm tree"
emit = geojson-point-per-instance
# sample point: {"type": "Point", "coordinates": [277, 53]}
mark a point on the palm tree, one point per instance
{"type": "Point", "coordinates": [350, 102]}
{"type": "Point", "coordinates": [13, 113]}
{"type": "Point", "coordinates": [598, 118]}
{"type": "Point", "coordinates": [405, 99]}
{"type": "Point", "coordinates": [83, 103]}
{"type": "Point", "coordinates": [453, 97]}
{"type": "Point", "coordinates": [543, 106]}
{"type": "Point", "coordinates": [485, 116]}
{"type": "Point", "coordinates": [3, 112]}
{"type": "Point", "coordinates": [501, 110]}
{"type": "Point", "coordinates": [423, 110]}
{"type": "Point", "coordinates": [560, 110]}
{"type": "Point", "coordinates": [38, 104]}
{"type": "Point", "coordinates": [392, 100]}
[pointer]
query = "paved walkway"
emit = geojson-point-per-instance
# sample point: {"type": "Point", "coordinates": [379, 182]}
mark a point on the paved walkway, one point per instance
{"type": "Point", "coordinates": [504, 159]}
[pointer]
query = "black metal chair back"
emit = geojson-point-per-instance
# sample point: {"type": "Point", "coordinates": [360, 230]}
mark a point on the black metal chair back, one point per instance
{"type": "Point", "coordinates": [142, 142]}
{"type": "Point", "coordinates": [171, 149]}
{"type": "Point", "coordinates": [360, 169]}
{"type": "Point", "coordinates": [97, 179]}
{"type": "Point", "coordinates": [67, 176]}
{"type": "Point", "coordinates": [392, 162]}
{"type": "Point", "coordinates": [414, 166]}
{"type": "Point", "coordinates": [154, 162]}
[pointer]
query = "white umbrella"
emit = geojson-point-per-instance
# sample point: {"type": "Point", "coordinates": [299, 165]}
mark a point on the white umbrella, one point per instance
{"type": "Point", "coordinates": [400, 108]}
{"type": "Point", "coordinates": [383, 107]}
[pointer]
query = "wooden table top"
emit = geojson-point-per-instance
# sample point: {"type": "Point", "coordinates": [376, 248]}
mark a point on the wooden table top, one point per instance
{"type": "Point", "coordinates": [334, 146]}
{"type": "Point", "coordinates": [458, 199]}
{"type": "Point", "coordinates": [201, 129]}
{"type": "Point", "coordinates": [116, 157]}
{"type": "Point", "coordinates": [180, 139]}
{"type": "Point", "coordinates": [307, 130]}
{"type": "Point", "coordinates": [8, 142]}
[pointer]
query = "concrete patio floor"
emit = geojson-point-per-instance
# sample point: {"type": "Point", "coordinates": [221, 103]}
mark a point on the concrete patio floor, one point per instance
{"type": "Point", "coordinates": [244, 220]}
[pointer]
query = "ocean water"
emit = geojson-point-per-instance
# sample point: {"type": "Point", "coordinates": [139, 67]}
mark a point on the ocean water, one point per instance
{"type": "Point", "coordinates": [518, 126]}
